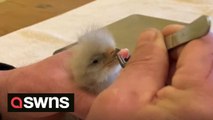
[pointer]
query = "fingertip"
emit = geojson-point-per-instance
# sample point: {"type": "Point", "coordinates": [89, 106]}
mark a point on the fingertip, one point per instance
{"type": "Point", "coordinates": [208, 37]}
{"type": "Point", "coordinates": [169, 29]}
{"type": "Point", "coordinates": [148, 35]}
{"type": "Point", "coordinates": [151, 37]}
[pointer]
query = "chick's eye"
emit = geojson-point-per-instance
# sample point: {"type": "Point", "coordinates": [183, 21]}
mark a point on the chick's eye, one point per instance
{"type": "Point", "coordinates": [95, 61]}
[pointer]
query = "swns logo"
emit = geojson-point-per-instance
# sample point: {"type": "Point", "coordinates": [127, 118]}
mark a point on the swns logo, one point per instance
{"type": "Point", "coordinates": [40, 102]}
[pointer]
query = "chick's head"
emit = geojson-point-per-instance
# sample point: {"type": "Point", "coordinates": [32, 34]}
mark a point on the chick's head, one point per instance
{"type": "Point", "coordinates": [94, 62]}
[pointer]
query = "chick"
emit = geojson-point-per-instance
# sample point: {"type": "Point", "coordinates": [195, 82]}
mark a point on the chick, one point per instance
{"type": "Point", "coordinates": [94, 64]}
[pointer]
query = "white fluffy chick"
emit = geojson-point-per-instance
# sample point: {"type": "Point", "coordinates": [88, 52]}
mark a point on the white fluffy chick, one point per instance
{"type": "Point", "coordinates": [94, 64]}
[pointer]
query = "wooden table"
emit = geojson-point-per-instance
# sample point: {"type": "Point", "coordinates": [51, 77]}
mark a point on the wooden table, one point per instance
{"type": "Point", "coordinates": [16, 14]}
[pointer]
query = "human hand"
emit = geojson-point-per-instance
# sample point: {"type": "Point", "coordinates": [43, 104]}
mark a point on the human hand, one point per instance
{"type": "Point", "coordinates": [48, 76]}
{"type": "Point", "coordinates": [52, 75]}
{"type": "Point", "coordinates": [140, 92]}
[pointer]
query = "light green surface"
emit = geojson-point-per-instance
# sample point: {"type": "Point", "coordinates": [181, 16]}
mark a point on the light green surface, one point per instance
{"type": "Point", "coordinates": [126, 31]}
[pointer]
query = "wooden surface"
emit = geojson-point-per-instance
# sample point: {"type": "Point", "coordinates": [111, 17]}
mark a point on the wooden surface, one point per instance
{"type": "Point", "coordinates": [16, 14]}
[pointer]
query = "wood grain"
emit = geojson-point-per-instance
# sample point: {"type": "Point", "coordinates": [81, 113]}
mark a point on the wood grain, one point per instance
{"type": "Point", "coordinates": [16, 14]}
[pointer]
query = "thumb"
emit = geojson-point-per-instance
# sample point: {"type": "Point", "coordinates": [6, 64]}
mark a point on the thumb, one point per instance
{"type": "Point", "coordinates": [146, 71]}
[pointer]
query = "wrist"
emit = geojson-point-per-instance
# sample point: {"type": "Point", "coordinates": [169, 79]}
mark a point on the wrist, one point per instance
{"type": "Point", "coordinates": [48, 75]}
{"type": "Point", "coordinates": [4, 76]}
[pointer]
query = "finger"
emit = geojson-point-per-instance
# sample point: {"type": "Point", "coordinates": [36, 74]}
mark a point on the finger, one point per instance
{"type": "Point", "coordinates": [146, 70]}
{"type": "Point", "coordinates": [194, 64]}
{"type": "Point", "coordinates": [174, 53]}
{"type": "Point", "coordinates": [168, 30]}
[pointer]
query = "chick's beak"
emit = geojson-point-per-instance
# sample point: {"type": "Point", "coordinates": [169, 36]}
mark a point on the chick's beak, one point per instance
{"type": "Point", "coordinates": [117, 56]}
{"type": "Point", "coordinates": [115, 53]}
{"type": "Point", "coordinates": [111, 56]}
